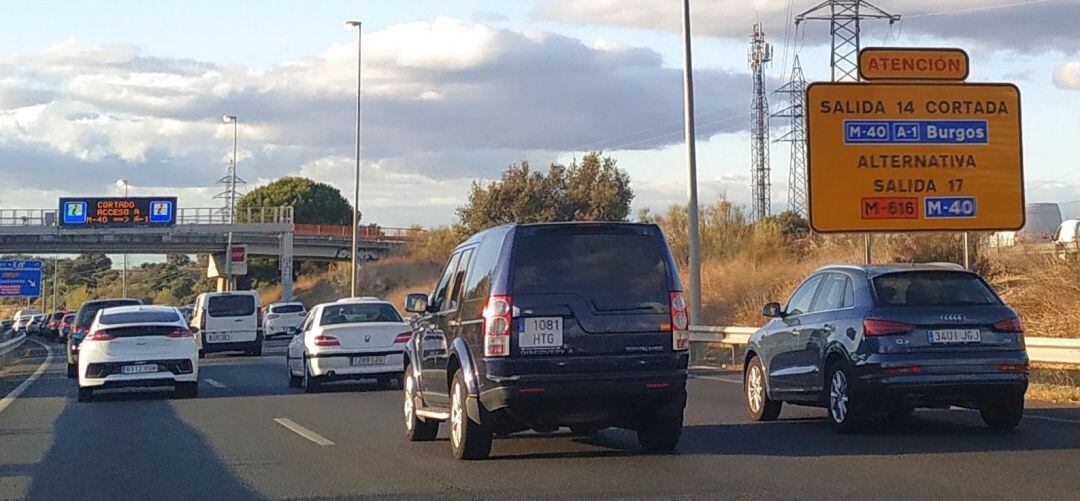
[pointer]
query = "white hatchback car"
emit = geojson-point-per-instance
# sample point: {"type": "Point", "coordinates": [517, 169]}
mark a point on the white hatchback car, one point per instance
{"type": "Point", "coordinates": [362, 338]}
{"type": "Point", "coordinates": [283, 319]}
{"type": "Point", "coordinates": [139, 346]}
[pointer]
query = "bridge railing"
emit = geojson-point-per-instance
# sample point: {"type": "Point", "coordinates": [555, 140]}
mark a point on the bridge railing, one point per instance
{"type": "Point", "coordinates": [371, 232]}
{"type": "Point", "coordinates": [244, 215]}
{"type": "Point", "coordinates": [27, 217]}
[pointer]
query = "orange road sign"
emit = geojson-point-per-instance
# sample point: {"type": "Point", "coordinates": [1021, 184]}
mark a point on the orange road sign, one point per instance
{"type": "Point", "coordinates": [896, 157]}
{"type": "Point", "coordinates": [880, 63]}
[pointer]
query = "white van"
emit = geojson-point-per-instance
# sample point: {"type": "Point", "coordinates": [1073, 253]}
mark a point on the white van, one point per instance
{"type": "Point", "coordinates": [228, 321]}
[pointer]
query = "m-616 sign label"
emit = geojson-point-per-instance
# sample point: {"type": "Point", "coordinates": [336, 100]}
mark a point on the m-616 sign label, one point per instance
{"type": "Point", "coordinates": [888, 157]}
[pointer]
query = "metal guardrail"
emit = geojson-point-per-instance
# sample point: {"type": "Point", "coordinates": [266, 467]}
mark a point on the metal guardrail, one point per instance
{"type": "Point", "coordinates": [1040, 349]}
{"type": "Point", "coordinates": [8, 346]}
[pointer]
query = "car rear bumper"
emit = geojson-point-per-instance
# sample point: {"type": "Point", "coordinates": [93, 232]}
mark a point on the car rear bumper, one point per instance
{"type": "Point", "coordinates": [208, 347]}
{"type": "Point", "coordinates": [338, 365]}
{"type": "Point", "coordinates": [169, 373]}
{"type": "Point", "coordinates": [942, 379]}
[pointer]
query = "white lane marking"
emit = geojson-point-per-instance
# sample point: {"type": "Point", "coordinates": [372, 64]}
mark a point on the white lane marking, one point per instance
{"type": "Point", "coordinates": [721, 379]}
{"type": "Point", "coordinates": [303, 432]}
{"type": "Point", "coordinates": [214, 383]}
{"type": "Point", "coordinates": [6, 401]}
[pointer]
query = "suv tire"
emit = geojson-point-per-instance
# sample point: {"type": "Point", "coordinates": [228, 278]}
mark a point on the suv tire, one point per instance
{"type": "Point", "coordinates": [660, 433]}
{"type": "Point", "coordinates": [844, 412]}
{"type": "Point", "coordinates": [468, 439]}
{"type": "Point", "coordinates": [416, 429]}
{"type": "Point", "coordinates": [758, 403]}
{"type": "Point", "coordinates": [1004, 414]}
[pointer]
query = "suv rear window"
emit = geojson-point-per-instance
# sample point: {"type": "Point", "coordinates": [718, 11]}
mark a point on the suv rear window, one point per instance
{"type": "Point", "coordinates": [288, 308]}
{"type": "Point", "coordinates": [932, 288]}
{"type": "Point", "coordinates": [88, 311]}
{"type": "Point", "coordinates": [614, 269]}
{"type": "Point", "coordinates": [231, 306]}
{"type": "Point", "coordinates": [139, 317]}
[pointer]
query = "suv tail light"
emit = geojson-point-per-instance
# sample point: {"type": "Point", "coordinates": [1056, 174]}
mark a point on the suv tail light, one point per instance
{"type": "Point", "coordinates": [1009, 325]}
{"type": "Point", "coordinates": [179, 333]}
{"type": "Point", "coordinates": [877, 327]}
{"type": "Point", "coordinates": [680, 322]}
{"type": "Point", "coordinates": [403, 337]}
{"type": "Point", "coordinates": [325, 340]}
{"type": "Point", "coordinates": [102, 335]}
{"type": "Point", "coordinates": [497, 318]}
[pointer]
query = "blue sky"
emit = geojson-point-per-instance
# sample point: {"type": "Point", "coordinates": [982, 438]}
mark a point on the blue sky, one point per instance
{"type": "Point", "coordinates": [455, 91]}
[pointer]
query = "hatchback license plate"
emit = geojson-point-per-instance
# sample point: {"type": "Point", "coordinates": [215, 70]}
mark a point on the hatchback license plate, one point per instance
{"type": "Point", "coordinates": [369, 360]}
{"type": "Point", "coordinates": [955, 336]}
{"type": "Point", "coordinates": [139, 369]}
{"type": "Point", "coordinates": [540, 333]}
{"type": "Point", "coordinates": [217, 338]}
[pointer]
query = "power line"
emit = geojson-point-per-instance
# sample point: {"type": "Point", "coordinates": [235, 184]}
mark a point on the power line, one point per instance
{"type": "Point", "coordinates": [978, 9]}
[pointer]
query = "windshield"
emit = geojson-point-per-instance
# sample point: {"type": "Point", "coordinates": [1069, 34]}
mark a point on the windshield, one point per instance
{"type": "Point", "coordinates": [359, 313]}
{"type": "Point", "coordinates": [932, 288]}
{"type": "Point", "coordinates": [240, 305]}
{"type": "Point", "coordinates": [613, 271]}
{"type": "Point", "coordinates": [89, 310]}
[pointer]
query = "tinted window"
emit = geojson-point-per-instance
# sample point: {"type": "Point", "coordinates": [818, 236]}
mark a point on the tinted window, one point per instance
{"type": "Point", "coordinates": [932, 288]}
{"type": "Point", "coordinates": [803, 296]}
{"type": "Point", "coordinates": [355, 313]}
{"type": "Point", "coordinates": [486, 257]}
{"type": "Point", "coordinates": [615, 270]}
{"type": "Point", "coordinates": [444, 282]}
{"type": "Point", "coordinates": [86, 314]}
{"type": "Point", "coordinates": [138, 317]}
{"type": "Point", "coordinates": [830, 295]}
{"type": "Point", "coordinates": [849, 293]}
{"type": "Point", "coordinates": [230, 306]}
{"type": "Point", "coordinates": [458, 281]}
{"type": "Point", "coordinates": [288, 308]}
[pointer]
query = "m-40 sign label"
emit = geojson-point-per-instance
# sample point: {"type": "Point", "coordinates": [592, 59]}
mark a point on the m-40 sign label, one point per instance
{"type": "Point", "coordinates": [890, 157]}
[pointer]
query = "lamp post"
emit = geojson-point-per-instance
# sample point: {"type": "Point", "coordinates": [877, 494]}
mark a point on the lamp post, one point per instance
{"type": "Point", "coordinates": [232, 202]}
{"type": "Point", "coordinates": [693, 237]}
{"type": "Point", "coordinates": [356, 176]}
{"type": "Point", "coordinates": [123, 183]}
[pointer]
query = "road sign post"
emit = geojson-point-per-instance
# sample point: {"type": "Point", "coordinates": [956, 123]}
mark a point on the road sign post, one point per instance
{"type": "Point", "coordinates": [914, 156]}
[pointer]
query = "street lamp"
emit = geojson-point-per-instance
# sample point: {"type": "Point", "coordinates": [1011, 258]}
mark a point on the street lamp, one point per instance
{"type": "Point", "coordinates": [356, 183]}
{"type": "Point", "coordinates": [232, 202]}
{"type": "Point", "coordinates": [123, 183]}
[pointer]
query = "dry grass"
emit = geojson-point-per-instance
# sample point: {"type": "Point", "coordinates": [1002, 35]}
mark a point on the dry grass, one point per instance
{"type": "Point", "coordinates": [1044, 289]}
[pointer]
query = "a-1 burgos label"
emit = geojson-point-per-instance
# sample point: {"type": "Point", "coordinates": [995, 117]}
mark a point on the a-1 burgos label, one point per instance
{"type": "Point", "coordinates": [913, 157]}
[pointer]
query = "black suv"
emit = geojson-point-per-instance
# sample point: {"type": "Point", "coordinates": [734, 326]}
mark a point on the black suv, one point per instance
{"type": "Point", "coordinates": [83, 320]}
{"type": "Point", "coordinates": [879, 340]}
{"type": "Point", "coordinates": [540, 326]}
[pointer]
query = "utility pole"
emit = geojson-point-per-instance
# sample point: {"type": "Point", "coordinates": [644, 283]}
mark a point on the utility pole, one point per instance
{"type": "Point", "coordinates": [693, 236]}
{"type": "Point", "coordinates": [760, 55]}
{"type": "Point", "coordinates": [795, 90]}
{"type": "Point", "coordinates": [844, 17]}
{"type": "Point", "coordinates": [55, 278]}
{"type": "Point", "coordinates": [354, 268]}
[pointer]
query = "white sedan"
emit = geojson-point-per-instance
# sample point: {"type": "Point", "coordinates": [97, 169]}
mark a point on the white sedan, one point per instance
{"type": "Point", "coordinates": [361, 338]}
{"type": "Point", "coordinates": [139, 346]}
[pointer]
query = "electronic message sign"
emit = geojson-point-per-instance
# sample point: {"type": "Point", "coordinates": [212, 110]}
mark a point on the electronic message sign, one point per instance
{"type": "Point", "coordinates": [120, 212]}
{"type": "Point", "coordinates": [895, 157]}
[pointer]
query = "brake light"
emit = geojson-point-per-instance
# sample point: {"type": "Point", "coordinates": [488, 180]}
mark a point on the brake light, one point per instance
{"type": "Point", "coordinates": [680, 322]}
{"type": "Point", "coordinates": [902, 371]}
{"type": "Point", "coordinates": [325, 340]}
{"type": "Point", "coordinates": [101, 335]}
{"type": "Point", "coordinates": [1018, 368]}
{"type": "Point", "coordinates": [498, 314]}
{"type": "Point", "coordinates": [1009, 325]}
{"type": "Point", "coordinates": [179, 333]}
{"type": "Point", "coordinates": [403, 337]}
{"type": "Point", "coordinates": [876, 327]}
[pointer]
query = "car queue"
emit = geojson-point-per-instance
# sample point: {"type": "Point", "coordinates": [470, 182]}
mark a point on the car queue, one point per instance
{"type": "Point", "coordinates": [584, 326]}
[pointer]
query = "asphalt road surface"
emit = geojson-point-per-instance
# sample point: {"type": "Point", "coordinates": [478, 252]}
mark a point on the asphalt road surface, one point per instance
{"type": "Point", "coordinates": [249, 436]}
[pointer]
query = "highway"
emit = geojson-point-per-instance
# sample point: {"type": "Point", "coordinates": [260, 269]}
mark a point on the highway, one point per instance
{"type": "Point", "coordinates": [249, 436]}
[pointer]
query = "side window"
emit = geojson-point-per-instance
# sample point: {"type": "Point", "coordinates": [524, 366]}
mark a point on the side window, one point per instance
{"type": "Point", "coordinates": [849, 293]}
{"type": "Point", "coordinates": [830, 295]}
{"type": "Point", "coordinates": [458, 281]}
{"type": "Point", "coordinates": [478, 281]}
{"type": "Point", "coordinates": [308, 321]}
{"type": "Point", "coordinates": [444, 282]}
{"type": "Point", "coordinates": [803, 296]}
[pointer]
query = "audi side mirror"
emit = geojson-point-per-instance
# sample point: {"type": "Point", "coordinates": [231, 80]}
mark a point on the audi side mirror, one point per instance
{"type": "Point", "coordinates": [416, 303]}
{"type": "Point", "coordinates": [773, 310]}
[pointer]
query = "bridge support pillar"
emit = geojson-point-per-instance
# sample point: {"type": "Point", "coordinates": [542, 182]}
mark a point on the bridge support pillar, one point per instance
{"type": "Point", "coordinates": [286, 265]}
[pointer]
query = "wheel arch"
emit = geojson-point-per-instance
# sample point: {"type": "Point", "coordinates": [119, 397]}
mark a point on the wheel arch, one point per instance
{"type": "Point", "coordinates": [460, 357]}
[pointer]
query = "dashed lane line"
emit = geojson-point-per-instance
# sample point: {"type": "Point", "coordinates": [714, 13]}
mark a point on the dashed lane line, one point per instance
{"type": "Point", "coordinates": [215, 383]}
{"type": "Point", "coordinates": [721, 379]}
{"type": "Point", "coordinates": [10, 398]}
{"type": "Point", "coordinates": [303, 432]}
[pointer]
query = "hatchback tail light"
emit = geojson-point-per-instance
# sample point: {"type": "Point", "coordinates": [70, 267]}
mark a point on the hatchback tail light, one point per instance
{"type": "Point", "coordinates": [101, 335]}
{"type": "Point", "coordinates": [271, 316]}
{"type": "Point", "coordinates": [1009, 325]}
{"type": "Point", "coordinates": [403, 337]}
{"type": "Point", "coordinates": [325, 341]}
{"type": "Point", "coordinates": [680, 322]}
{"type": "Point", "coordinates": [877, 327]}
{"type": "Point", "coordinates": [498, 314]}
{"type": "Point", "coordinates": [179, 333]}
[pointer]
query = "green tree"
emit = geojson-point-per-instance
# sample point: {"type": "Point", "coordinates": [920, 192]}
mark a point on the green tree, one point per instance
{"type": "Point", "coordinates": [312, 202]}
{"type": "Point", "coordinates": [593, 190]}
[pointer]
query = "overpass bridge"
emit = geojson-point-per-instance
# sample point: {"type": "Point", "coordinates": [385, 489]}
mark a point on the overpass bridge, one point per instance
{"type": "Point", "coordinates": [266, 231]}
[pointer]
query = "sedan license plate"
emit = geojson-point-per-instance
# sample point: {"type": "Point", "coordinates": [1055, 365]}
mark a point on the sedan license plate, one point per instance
{"type": "Point", "coordinates": [139, 369]}
{"type": "Point", "coordinates": [217, 338]}
{"type": "Point", "coordinates": [955, 336]}
{"type": "Point", "coordinates": [368, 360]}
{"type": "Point", "coordinates": [540, 333]}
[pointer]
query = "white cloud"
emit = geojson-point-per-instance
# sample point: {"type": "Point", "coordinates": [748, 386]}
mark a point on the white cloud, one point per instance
{"type": "Point", "coordinates": [1067, 76]}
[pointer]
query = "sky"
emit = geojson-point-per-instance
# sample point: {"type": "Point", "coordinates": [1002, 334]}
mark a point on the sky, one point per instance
{"type": "Point", "coordinates": [454, 92]}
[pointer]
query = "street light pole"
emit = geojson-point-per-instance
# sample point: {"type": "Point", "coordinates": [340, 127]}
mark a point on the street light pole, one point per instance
{"type": "Point", "coordinates": [694, 239]}
{"type": "Point", "coordinates": [356, 181]}
{"type": "Point", "coordinates": [123, 275]}
{"type": "Point", "coordinates": [232, 203]}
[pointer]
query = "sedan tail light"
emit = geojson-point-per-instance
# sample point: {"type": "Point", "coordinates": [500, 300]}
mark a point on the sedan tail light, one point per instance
{"type": "Point", "coordinates": [403, 337]}
{"type": "Point", "coordinates": [680, 322]}
{"type": "Point", "coordinates": [325, 340]}
{"type": "Point", "coordinates": [1009, 325]}
{"type": "Point", "coordinates": [498, 314]}
{"type": "Point", "coordinates": [101, 335]}
{"type": "Point", "coordinates": [179, 333]}
{"type": "Point", "coordinates": [878, 327]}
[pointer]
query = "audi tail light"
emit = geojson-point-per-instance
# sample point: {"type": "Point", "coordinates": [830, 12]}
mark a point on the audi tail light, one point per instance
{"type": "Point", "coordinates": [1009, 325]}
{"type": "Point", "coordinates": [878, 327]}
